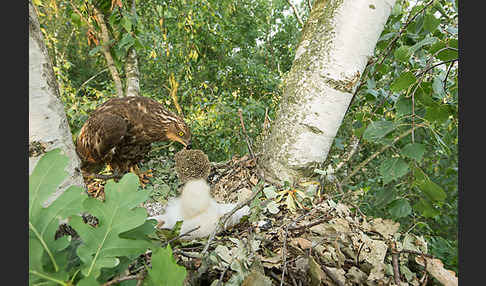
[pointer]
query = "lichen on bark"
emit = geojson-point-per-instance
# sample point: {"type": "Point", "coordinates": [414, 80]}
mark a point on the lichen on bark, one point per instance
{"type": "Point", "coordinates": [336, 40]}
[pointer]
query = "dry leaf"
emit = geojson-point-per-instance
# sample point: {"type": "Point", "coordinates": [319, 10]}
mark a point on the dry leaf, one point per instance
{"type": "Point", "coordinates": [385, 227]}
{"type": "Point", "coordinates": [302, 243]}
{"type": "Point", "coordinates": [436, 268]}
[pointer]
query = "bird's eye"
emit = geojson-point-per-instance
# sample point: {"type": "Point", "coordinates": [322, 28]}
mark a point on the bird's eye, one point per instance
{"type": "Point", "coordinates": [181, 133]}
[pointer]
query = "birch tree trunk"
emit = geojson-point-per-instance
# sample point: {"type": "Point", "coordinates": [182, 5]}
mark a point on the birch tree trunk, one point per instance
{"type": "Point", "coordinates": [337, 41]}
{"type": "Point", "coordinates": [48, 126]}
{"type": "Point", "coordinates": [131, 67]}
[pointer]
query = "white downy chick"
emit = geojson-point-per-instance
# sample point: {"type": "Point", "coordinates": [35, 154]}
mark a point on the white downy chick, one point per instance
{"type": "Point", "coordinates": [196, 207]}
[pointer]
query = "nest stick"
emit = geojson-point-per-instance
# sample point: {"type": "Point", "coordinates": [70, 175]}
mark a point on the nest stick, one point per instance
{"type": "Point", "coordinates": [240, 113]}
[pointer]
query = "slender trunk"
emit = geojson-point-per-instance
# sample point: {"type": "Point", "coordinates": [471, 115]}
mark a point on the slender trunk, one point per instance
{"type": "Point", "coordinates": [105, 38]}
{"type": "Point", "coordinates": [48, 126]}
{"type": "Point", "coordinates": [131, 67]}
{"type": "Point", "coordinates": [337, 40]}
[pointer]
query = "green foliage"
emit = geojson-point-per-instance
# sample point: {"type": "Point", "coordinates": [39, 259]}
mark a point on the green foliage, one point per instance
{"type": "Point", "coordinates": [410, 82]}
{"type": "Point", "coordinates": [119, 213]}
{"type": "Point", "coordinates": [377, 130]}
{"type": "Point", "coordinates": [99, 253]}
{"type": "Point", "coordinates": [44, 221]}
{"type": "Point", "coordinates": [392, 169]}
{"type": "Point", "coordinates": [227, 55]}
{"type": "Point", "coordinates": [165, 270]}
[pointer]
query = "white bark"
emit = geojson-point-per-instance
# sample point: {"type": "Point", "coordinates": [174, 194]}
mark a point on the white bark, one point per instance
{"type": "Point", "coordinates": [337, 41]}
{"type": "Point", "coordinates": [131, 67]}
{"type": "Point", "coordinates": [48, 126]}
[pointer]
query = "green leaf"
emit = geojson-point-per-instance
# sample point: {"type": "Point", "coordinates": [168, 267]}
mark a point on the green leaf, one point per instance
{"type": "Point", "coordinates": [165, 271]}
{"type": "Point", "coordinates": [424, 42]}
{"type": "Point", "coordinates": [430, 23]}
{"type": "Point", "coordinates": [414, 150]}
{"type": "Point", "coordinates": [76, 18]}
{"type": "Point", "coordinates": [433, 191]}
{"type": "Point", "coordinates": [403, 82]}
{"type": "Point", "coordinates": [437, 113]}
{"type": "Point", "coordinates": [419, 175]}
{"type": "Point", "coordinates": [393, 168]}
{"type": "Point", "coordinates": [126, 42]}
{"type": "Point", "coordinates": [141, 232]}
{"type": "Point", "coordinates": [119, 213]}
{"type": "Point", "coordinates": [384, 197]}
{"type": "Point", "coordinates": [446, 54]}
{"type": "Point", "coordinates": [403, 106]}
{"type": "Point", "coordinates": [88, 281]}
{"type": "Point", "coordinates": [44, 221]}
{"type": "Point", "coordinates": [126, 23]}
{"type": "Point", "coordinates": [426, 209]}
{"type": "Point", "coordinates": [403, 53]}
{"type": "Point", "coordinates": [400, 208]}
{"type": "Point", "coordinates": [378, 129]}
{"type": "Point", "coordinates": [94, 50]}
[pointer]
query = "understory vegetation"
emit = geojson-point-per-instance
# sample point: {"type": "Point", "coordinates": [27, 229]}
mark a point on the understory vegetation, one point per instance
{"type": "Point", "coordinates": [394, 157]}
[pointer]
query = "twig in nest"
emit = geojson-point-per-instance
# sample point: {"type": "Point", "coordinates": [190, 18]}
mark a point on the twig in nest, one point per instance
{"type": "Point", "coordinates": [396, 272]}
{"type": "Point", "coordinates": [240, 113]}
{"type": "Point", "coordinates": [181, 235]}
{"type": "Point", "coordinates": [284, 247]}
{"type": "Point", "coordinates": [329, 273]}
{"type": "Point", "coordinates": [276, 277]}
{"type": "Point", "coordinates": [284, 256]}
{"type": "Point", "coordinates": [293, 278]}
{"type": "Point", "coordinates": [224, 272]}
{"type": "Point", "coordinates": [186, 254]}
{"type": "Point", "coordinates": [359, 252]}
{"type": "Point", "coordinates": [224, 219]}
{"type": "Point", "coordinates": [309, 225]}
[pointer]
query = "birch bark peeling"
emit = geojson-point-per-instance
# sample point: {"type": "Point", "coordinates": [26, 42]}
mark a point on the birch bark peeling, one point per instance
{"type": "Point", "coordinates": [337, 41]}
{"type": "Point", "coordinates": [48, 126]}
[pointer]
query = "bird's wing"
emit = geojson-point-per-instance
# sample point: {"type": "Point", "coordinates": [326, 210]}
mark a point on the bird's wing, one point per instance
{"type": "Point", "coordinates": [100, 135]}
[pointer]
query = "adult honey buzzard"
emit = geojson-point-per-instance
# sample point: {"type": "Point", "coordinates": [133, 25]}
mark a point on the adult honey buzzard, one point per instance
{"type": "Point", "coordinates": [119, 133]}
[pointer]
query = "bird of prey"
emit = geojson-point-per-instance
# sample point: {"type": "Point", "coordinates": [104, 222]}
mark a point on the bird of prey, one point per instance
{"type": "Point", "coordinates": [120, 132]}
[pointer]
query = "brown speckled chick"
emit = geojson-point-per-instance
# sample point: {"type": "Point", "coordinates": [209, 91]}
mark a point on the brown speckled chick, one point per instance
{"type": "Point", "coordinates": [192, 164]}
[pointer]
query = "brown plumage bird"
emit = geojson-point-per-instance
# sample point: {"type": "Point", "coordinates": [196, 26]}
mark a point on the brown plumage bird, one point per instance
{"type": "Point", "coordinates": [119, 133]}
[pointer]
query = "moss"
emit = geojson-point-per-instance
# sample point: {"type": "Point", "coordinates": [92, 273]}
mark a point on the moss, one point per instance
{"type": "Point", "coordinates": [191, 164]}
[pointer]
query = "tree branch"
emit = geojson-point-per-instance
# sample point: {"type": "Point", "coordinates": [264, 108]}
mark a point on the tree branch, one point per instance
{"type": "Point", "coordinates": [365, 162]}
{"type": "Point", "coordinates": [296, 13]}
{"type": "Point", "coordinates": [105, 46]}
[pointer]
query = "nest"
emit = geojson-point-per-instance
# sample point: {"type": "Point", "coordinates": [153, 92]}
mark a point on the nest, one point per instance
{"type": "Point", "coordinates": [192, 164]}
{"type": "Point", "coordinates": [312, 244]}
